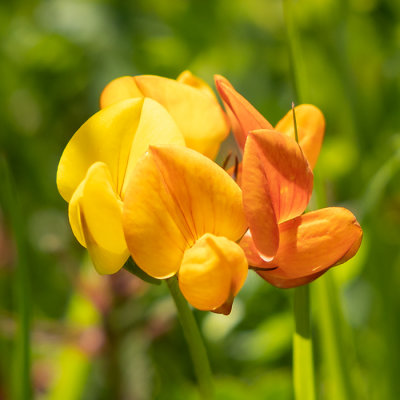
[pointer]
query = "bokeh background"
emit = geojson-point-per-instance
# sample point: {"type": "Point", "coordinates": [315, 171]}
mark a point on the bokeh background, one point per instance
{"type": "Point", "coordinates": [94, 337]}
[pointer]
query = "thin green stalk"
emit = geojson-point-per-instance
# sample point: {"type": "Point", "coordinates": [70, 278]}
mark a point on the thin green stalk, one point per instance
{"type": "Point", "coordinates": [303, 365]}
{"type": "Point", "coordinates": [303, 374]}
{"type": "Point", "coordinates": [297, 63]}
{"type": "Point", "coordinates": [21, 381]}
{"type": "Point", "coordinates": [194, 340]}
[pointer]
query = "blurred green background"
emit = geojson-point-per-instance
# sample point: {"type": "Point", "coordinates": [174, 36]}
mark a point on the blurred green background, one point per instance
{"type": "Point", "coordinates": [116, 337]}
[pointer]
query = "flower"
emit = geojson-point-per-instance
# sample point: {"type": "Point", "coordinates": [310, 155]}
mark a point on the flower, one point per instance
{"type": "Point", "coordinates": [182, 216]}
{"type": "Point", "coordinates": [94, 171]}
{"type": "Point", "coordinates": [189, 100]}
{"type": "Point", "coordinates": [286, 248]}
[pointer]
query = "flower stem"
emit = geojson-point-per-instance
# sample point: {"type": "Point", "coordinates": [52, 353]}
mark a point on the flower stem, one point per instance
{"type": "Point", "coordinates": [303, 365]}
{"type": "Point", "coordinates": [303, 374]}
{"type": "Point", "coordinates": [194, 340]}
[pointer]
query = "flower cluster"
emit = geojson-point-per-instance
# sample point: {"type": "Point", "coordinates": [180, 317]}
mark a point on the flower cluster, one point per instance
{"type": "Point", "coordinates": [140, 181]}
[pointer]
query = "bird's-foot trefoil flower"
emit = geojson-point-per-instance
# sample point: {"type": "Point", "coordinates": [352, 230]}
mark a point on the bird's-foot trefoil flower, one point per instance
{"type": "Point", "coordinates": [183, 215]}
{"type": "Point", "coordinates": [94, 171]}
{"type": "Point", "coordinates": [188, 99]}
{"type": "Point", "coordinates": [286, 248]}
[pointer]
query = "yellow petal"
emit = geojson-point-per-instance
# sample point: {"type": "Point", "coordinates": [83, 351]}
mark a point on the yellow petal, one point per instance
{"type": "Point", "coordinates": [188, 78]}
{"type": "Point", "coordinates": [117, 136]}
{"type": "Point", "coordinates": [277, 185]}
{"type": "Point", "coordinates": [310, 128]}
{"type": "Point", "coordinates": [95, 217]}
{"type": "Point", "coordinates": [156, 127]}
{"type": "Point", "coordinates": [119, 89]}
{"type": "Point", "coordinates": [107, 137]}
{"type": "Point", "coordinates": [212, 273]}
{"type": "Point", "coordinates": [242, 115]}
{"type": "Point", "coordinates": [174, 197]}
{"type": "Point", "coordinates": [312, 243]}
{"type": "Point", "coordinates": [197, 114]}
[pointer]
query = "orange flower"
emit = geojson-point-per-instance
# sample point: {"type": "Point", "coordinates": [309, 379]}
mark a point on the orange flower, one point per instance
{"type": "Point", "coordinates": [182, 215]}
{"type": "Point", "coordinates": [286, 248]}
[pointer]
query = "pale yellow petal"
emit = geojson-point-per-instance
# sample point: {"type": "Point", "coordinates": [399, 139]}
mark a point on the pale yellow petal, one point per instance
{"type": "Point", "coordinates": [197, 114]}
{"type": "Point", "coordinates": [95, 217]}
{"type": "Point", "coordinates": [212, 273]}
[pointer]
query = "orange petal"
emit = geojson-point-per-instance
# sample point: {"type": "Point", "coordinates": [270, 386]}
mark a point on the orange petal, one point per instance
{"type": "Point", "coordinates": [312, 243]}
{"type": "Point", "coordinates": [212, 273]}
{"type": "Point", "coordinates": [175, 196]}
{"type": "Point", "coordinates": [277, 186]}
{"type": "Point", "coordinates": [310, 128]}
{"type": "Point", "coordinates": [119, 89]}
{"type": "Point", "coordinates": [285, 283]}
{"type": "Point", "coordinates": [243, 116]}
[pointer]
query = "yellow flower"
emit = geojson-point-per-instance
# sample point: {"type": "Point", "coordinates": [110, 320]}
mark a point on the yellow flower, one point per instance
{"type": "Point", "coordinates": [94, 171]}
{"type": "Point", "coordinates": [183, 215]}
{"type": "Point", "coordinates": [189, 100]}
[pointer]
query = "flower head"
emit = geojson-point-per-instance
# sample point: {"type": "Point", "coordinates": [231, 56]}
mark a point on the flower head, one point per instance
{"type": "Point", "coordinates": [94, 171]}
{"type": "Point", "coordinates": [183, 215]}
{"type": "Point", "coordinates": [285, 246]}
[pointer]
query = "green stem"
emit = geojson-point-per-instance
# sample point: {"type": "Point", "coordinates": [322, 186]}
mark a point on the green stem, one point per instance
{"type": "Point", "coordinates": [303, 374]}
{"type": "Point", "coordinates": [303, 365]}
{"type": "Point", "coordinates": [194, 340]}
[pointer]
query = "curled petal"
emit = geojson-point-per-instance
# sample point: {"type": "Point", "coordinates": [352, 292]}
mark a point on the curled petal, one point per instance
{"type": "Point", "coordinates": [250, 250]}
{"type": "Point", "coordinates": [277, 185]}
{"type": "Point", "coordinates": [197, 113]}
{"type": "Point", "coordinates": [212, 273]}
{"type": "Point", "coordinates": [312, 243]}
{"type": "Point", "coordinates": [310, 128]}
{"type": "Point", "coordinates": [242, 115]}
{"type": "Point", "coordinates": [184, 195]}
{"type": "Point", "coordinates": [95, 217]}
